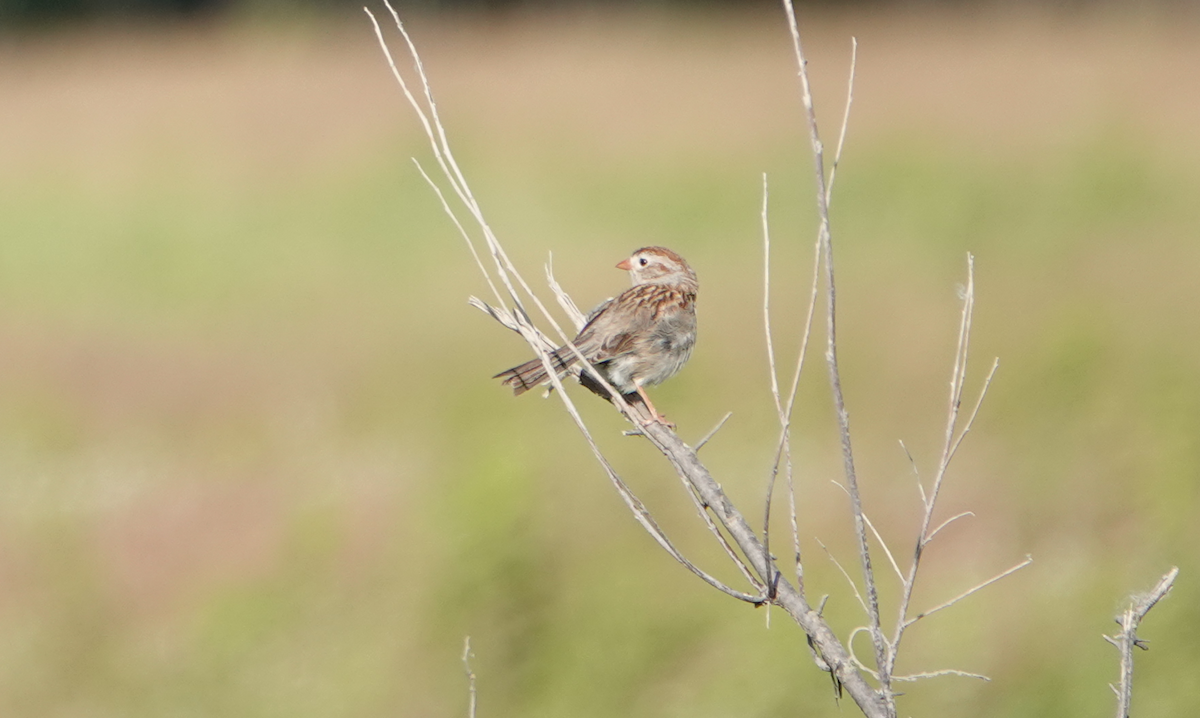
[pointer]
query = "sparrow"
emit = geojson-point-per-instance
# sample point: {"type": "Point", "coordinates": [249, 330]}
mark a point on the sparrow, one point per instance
{"type": "Point", "coordinates": [639, 338]}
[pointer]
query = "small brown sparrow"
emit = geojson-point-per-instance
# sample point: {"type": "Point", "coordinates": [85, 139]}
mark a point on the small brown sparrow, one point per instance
{"type": "Point", "coordinates": [640, 338]}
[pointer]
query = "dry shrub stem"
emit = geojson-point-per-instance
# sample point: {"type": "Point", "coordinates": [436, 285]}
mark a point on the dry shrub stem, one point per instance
{"type": "Point", "coordinates": [749, 552]}
{"type": "Point", "coordinates": [1126, 638]}
{"type": "Point", "coordinates": [466, 660]}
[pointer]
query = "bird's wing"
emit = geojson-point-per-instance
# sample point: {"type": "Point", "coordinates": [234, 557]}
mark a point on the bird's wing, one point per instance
{"type": "Point", "coordinates": [620, 324]}
{"type": "Point", "coordinates": [596, 311]}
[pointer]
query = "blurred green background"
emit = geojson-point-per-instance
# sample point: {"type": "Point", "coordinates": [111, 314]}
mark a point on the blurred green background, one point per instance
{"type": "Point", "coordinates": [254, 464]}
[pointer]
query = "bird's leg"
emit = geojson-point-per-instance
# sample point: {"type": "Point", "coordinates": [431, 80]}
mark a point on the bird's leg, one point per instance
{"type": "Point", "coordinates": [654, 415]}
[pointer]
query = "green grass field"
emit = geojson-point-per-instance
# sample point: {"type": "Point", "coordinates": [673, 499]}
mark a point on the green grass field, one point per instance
{"type": "Point", "coordinates": [254, 464]}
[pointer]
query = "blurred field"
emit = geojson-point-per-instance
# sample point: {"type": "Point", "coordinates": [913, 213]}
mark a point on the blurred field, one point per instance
{"type": "Point", "coordinates": [254, 464]}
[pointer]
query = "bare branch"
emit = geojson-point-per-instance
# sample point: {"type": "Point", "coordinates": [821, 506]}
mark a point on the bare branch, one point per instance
{"type": "Point", "coordinates": [795, 526]}
{"type": "Point", "coordinates": [883, 544]}
{"type": "Point", "coordinates": [837, 155]}
{"type": "Point", "coordinates": [564, 300]}
{"type": "Point", "coordinates": [987, 384]}
{"type": "Point", "coordinates": [501, 315]}
{"type": "Point", "coordinates": [886, 550]}
{"type": "Point", "coordinates": [713, 431]}
{"type": "Point", "coordinates": [1126, 639]}
{"type": "Point", "coordinates": [784, 444]}
{"type": "Point", "coordinates": [957, 377]}
{"type": "Point", "coordinates": [747, 573]}
{"type": "Point", "coordinates": [854, 656]}
{"type": "Point", "coordinates": [466, 659]}
{"type": "Point", "coordinates": [853, 585]}
{"type": "Point", "coordinates": [938, 674]}
{"type": "Point", "coordinates": [946, 523]}
{"type": "Point", "coordinates": [436, 135]}
{"type": "Point", "coordinates": [1028, 560]}
{"type": "Point", "coordinates": [766, 232]}
{"type": "Point", "coordinates": [509, 321]}
{"type": "Point", "coordinates": [916, 474]}
{"type": "Point", "coordinates": [454, 218]}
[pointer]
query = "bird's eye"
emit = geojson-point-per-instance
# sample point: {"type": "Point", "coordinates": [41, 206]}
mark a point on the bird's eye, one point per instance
{"type": "Point", "coordinates": [643, 261]}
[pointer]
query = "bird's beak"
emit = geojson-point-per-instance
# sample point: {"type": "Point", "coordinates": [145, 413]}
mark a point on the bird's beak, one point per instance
{"type": "Point", "coordinates": [626, 264]}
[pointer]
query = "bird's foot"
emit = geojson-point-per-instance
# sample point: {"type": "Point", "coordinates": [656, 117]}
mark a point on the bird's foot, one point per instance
{"type": "Point", "coordinates": [655, 417]}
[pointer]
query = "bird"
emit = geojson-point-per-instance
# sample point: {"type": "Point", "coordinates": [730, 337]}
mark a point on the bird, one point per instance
{"type": "Point", "coordinates": [639, 338]}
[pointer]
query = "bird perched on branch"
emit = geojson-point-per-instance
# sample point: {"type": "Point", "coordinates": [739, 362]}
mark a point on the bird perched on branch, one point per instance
{"type": "Point", "coordinates": [641, 337]}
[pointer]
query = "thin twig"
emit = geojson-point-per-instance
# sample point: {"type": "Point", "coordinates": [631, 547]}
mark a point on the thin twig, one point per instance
{"type": "Point", "coordinates": [713, 431]}
{"type": "Point", "coordinates": [878, 537]}
{"type": "Point", "coordinates": [737, 560]}
{"type": "Point", "coordinates": [854, 656]}
{"type": "Point", "coordinates": [883, 544]}
{"type": "Point", "coordinates": [916, 474]}
{"type": "Point", "coordinates": [853, 585]}
{"type": "Point", "coordinates": [564, 300]}
{"type": "Point", "coordinates": [938, 674]}
{"type": "Point", "coordinates": [1028, 560]}
{"type": "Point", "coordinates": [440, 148]}
{"type": "Point", "coordinates": [795, 524]}
{"type": "Point", "coordinates": [783, 450]}
{"type": "Point", "coordinates": [1126, 638]}
{"type": "Point", "coordinates": [766, 233]}
{"type": "Point", "coordinates": [987, 383]}
{"type": "Point", "coordinates": [454, 218]}
{"type": "Point", "coordinates": [947, 522]}
{"type": "Point", "coordinates": [837, 155]}
{"type": "Point", "coordinates": [466, 659]}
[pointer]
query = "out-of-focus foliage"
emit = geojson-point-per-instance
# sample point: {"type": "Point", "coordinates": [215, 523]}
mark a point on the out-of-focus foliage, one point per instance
{"type": "Point", "coordinates": [254, 464]}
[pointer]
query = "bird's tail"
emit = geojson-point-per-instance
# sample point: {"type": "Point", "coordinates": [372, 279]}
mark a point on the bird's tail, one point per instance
{"type": "Point", "coordinates": [533, 373]}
